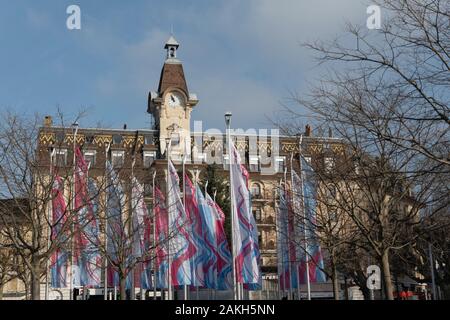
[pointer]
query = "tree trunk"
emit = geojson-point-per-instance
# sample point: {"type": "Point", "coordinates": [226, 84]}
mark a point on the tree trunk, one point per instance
{"type": "Point", "coordinates": [35, 278]}
{"type": "Point", "coordinates": [1, 291]}
{"type": "Point", "coordinates": [335, 283]}
{"type": "Point", "coordinates": [388, 287]}
{"type": "Point", "coordinates": [123, 287]}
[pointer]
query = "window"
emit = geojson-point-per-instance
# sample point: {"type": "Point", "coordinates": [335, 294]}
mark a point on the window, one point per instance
{"type": "Point", "coordinates": [89, 139]}
{"type": "Point", "coordinates": [329, 164]}
{"type": "Point", "coordinates": [148, 139]}
{"type": "Point", "coordinates": [90, 157]}
{"type": "Point", "coordinates": [279, 164]}
{"type": "Point", "coordinates": [61, 157]}
{"type": "Point", "coordinates": [254, 163]}
{"type": "Point", "coordinates": [148, 158]}
{"type": "Point", "coordinates": [257, 214]}
{"type": "Point", "coordinates": [226, 165]}
{"type": "Point", "coordinates": [175, 139]}
{"type": "Point", "coordinates": [117, 139]}
{"type": "Point", "coordinates": [256, 190]}
{"type": "Point", "coordinates": [118, 158]}
{"type": "Point", "coordinates": [308, 160]}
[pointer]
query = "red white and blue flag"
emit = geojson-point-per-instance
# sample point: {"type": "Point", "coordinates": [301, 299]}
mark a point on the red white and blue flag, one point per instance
{"type": "Point", "coordinates": [162, 231]}
{"type": "Point", "coordinates": [311, 252]}
{"type": "Point", "coordinates": [142, 242]}
{"type": "Point", "coordinates": [86, 255]}
{"type": "Point", "coordinates": [181, 247]}
{"type": "Point", "coordinates": [193, 212]}
{"type": "Point", "coordinates": [245, 235]}
{"type": "Point", "coordinates": [60, 258]}
{"type": "Point", "coordinates": [223, 260]}
{"type": "Point", "coordinates": [209, 252]}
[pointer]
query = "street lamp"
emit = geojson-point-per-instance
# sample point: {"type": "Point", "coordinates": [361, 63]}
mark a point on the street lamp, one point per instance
{"type": "Point", "coordinates": [228, 123]}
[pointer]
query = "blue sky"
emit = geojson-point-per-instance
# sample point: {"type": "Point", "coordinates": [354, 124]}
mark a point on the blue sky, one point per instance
{"type": "Point", "coordinates": [243, 56]}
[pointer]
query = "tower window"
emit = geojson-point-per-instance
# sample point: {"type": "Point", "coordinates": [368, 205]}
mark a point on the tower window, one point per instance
{"type": "Point", "coordinates": [172, 52]}
{"type": "Point", "coordinates": [61, 157]}
{"type": "Point", "coordinates": [117, 139]}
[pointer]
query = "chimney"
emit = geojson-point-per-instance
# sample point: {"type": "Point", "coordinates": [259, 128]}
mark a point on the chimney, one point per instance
{"type": "Point", "coordinates": [308, 130]}
{"type": "Point", "coordinates": [48, 121]}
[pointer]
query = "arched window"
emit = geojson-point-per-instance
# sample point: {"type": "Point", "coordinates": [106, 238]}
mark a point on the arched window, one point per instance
{"type": "Point", "coordinates": [256, 190]}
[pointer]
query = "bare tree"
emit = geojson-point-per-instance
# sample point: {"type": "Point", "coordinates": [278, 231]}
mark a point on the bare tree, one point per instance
{"type": "Point", "coordinates": [409, 56]}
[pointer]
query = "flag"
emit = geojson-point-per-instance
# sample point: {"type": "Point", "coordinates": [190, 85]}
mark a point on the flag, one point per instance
{"type": "Point", "coordinates": [210, 246]}
{"type": "Point", "coordinates": [245, 235]}
{"type": "Point", "coordinates": [116, 235]}
{"type": "Point", "coordinates": [87, 259]}
{"type": "Point", "coordinates": [223, 260]}
{"type": "Point", "coordinates": [60, 258]}
{"type": "Point", "coordinates": [181, 247]}
{"type": "Point", "coordinates": [313, 251]}
{"type": "Point", "coordinates": [284, 274]}
{"type": "Point", "coordinates": [141, 235]}
{"type": "Point", "coordinates": [193, 213]}
{"type": "Point", "coordinates": [161, 230]}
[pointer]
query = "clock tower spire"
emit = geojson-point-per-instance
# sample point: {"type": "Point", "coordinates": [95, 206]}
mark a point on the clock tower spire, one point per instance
{"type": "Point", "coordinates": [172, 104]}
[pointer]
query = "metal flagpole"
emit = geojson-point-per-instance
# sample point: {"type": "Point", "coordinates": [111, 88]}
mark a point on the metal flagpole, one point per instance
{"type": "Point", "coordinates": [433, 282]}
{"type": "Point", "coordinates": [304, 221]}
{"type": "Point", "coordinates": [75, 128]}
{"type": "Point", "coordinates": [235, 287]}
{"type": "Point", "coordinates": [214, 199]}
{"type": "Point", "coordinates": [169, 262]}
{"type": "Point", "coordinates": [185, 287]}
{"type": "Point", "coordinates": [206, 191]}
{"type": "Point", "coordinates": [132, 230]}
{"type": "Point", "coordinates": [49, 214]}
{"type": "Point", "coordinates": [297, 263]}
{"type": "Point", "coordinates": [277, 230]}
{"type": "Point", "coordinates": [288, 242]}
{"type": "Point", "coordinates": [105, 293]}
{"type": "Point", "coordinates": [154, 237]}
{"type": "Point", "coordinates": [197, 173]}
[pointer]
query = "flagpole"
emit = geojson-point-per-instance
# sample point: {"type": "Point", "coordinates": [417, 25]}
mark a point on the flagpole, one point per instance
{"type": "Point", "coordinates": [105, 293]}
{"type": "Point", "coordinates": [154, 236]}
{"type": "Point", "coordinates": [197, 173]}
{"type": "Point", "coordinates": [214, 199]}
{"type": "Point", "coordinates": [295, 227]}
{"type": "Point", "coordinates": [132, 231]}
{"type": "Point", "coordinates": [304, 221]}
{"type": "Point", "coordinates": [169, 262]}
{"type": "Point", "coordinates": [185, 287]}
{"type": "Point", "coordinates": [277, 229]}
{"type": "Point", "coordinates": [75, 128]}
{"type": "Point", "coordinates": [50, 209]}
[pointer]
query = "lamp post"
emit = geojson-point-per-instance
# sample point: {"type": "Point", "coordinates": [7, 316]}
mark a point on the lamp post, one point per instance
{"type": "Point", "coordinates": [228, 116]}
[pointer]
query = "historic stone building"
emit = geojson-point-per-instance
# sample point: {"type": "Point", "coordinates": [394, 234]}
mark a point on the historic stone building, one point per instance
{"type": "Point", "coordinates": [266, 157]}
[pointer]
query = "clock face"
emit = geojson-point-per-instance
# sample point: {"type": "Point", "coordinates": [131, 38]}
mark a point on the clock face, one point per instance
{"type": "Point", "coordinates": [174, 99]}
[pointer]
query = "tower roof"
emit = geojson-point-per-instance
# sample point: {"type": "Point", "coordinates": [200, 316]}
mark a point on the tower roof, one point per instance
{"type": "Point", "coordinates": [171, 42]}
{"type": "Point", "coordinates": [172, 76]}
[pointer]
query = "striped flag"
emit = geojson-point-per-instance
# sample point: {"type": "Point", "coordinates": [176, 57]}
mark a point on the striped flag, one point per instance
{"type": "Point", "coordinates": [141, 234]}
{"type": "Point", "coordinates": [87, 257]}
{"type": "Point", "coordinates": [193, 212]}
{"type": "Point", "coordinates": [162, 230]}
{"type": "Point", "coordinates": [210, 245]}
{"type": "Point", "coordinates": [314, 252]}
{"type": "Point", "coordinates": [115, 234]}
{"type": "Point", "coordinates": [245, 236]}
{"type": "Point", "coordinates": [181, 246]}
{"type": "Point", "coordinates": [224, 266]}
{"type": "Point", "coordinates": [284, 274]}
{"type": "Point", "coordinates": [60, 258]}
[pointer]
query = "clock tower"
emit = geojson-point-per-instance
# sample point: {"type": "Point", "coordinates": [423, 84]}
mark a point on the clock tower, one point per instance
{"type": "Point", "coordinates": [172, 104]}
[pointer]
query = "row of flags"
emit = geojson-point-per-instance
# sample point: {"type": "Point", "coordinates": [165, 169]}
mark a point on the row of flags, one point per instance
{"type": "Point", "coordinates": [300, 259]}
{"type": "Point", "coordinates": [188, 236]}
